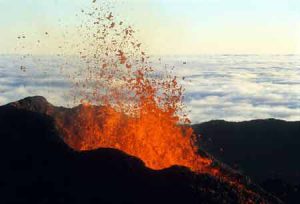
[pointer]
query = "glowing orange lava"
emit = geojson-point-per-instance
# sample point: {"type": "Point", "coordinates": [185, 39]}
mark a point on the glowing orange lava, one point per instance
{"type": "Point", "coordinates": [154, 136]}
{"type": "Point", "coordinates": [140, 112]}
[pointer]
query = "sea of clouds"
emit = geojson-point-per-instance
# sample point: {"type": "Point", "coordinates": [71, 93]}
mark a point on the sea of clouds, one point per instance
{"type": "Point", "coordinates": [229, 87]}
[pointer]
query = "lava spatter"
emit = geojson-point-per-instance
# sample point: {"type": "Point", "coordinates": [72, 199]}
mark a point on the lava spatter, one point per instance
{"type": "Point", "coordinates": [139, 111]}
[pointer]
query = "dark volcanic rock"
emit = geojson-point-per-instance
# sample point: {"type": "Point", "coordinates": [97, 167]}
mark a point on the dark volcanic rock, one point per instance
{"type": "Point", "coordinates": [35, 104]}
{"type": "Point", "coordinates": [266, 150]}
{"type": "Point", "coordinates": [38, 167]}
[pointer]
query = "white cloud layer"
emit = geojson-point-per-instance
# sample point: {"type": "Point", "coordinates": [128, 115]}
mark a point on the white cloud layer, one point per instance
{"type": "Point", "coordinates": [230, 87]}
{"type": "Point", "coordinates": [240, 87]}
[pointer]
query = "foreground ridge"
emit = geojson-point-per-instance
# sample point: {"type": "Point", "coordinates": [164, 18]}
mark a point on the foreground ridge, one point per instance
{"type": "Point", "coordinates": [39, 166]}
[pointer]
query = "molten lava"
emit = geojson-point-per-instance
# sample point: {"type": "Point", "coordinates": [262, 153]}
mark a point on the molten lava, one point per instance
{"type": "Point", "coordinates": [141, 110]}
{"type": "Point", "coordinates": [154, 136]}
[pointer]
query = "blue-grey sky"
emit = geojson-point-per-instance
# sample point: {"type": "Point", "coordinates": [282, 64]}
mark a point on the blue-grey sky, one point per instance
{"type": "Point", "coordinates": [167, 26]}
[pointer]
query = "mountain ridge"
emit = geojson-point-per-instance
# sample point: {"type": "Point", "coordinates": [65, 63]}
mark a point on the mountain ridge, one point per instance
{"type": "Point", "coordinates": [38, 167]}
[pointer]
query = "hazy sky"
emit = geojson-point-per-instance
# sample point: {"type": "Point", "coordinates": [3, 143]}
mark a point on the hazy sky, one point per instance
{"type": "Point", "coordinates": [169, 26]}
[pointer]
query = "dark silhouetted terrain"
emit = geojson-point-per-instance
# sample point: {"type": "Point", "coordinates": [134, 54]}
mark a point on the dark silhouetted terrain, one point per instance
{"type": "Point", "coordinates": [38, 167]}
{"type": "Point", "coordinates": [266, 150]}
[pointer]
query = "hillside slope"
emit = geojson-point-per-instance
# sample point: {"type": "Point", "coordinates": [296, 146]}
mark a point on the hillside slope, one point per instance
{"type": "Point", "coordinates": [38, 167]}
{"type": "Point", "coordinates": [266, 150]}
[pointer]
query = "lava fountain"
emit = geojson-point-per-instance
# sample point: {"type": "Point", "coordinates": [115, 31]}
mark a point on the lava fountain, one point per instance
{"type": "Point", "coordinates": [127, 105]}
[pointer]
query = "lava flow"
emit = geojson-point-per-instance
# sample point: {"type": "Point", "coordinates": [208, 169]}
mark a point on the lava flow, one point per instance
{"type": "Point", "coordinates": [140, 111]}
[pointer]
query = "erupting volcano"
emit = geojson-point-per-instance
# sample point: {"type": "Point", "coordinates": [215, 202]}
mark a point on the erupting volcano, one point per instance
{"type": "Point", "coordinates": [141, 109]}
{"type": "Point", "coordinates": [122, 132]}
{"type": "Point", "coordinates": [128, 104]}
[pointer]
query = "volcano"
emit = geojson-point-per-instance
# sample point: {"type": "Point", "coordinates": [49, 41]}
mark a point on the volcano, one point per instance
{"type": "Point", "coordinates": [40, 166]}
